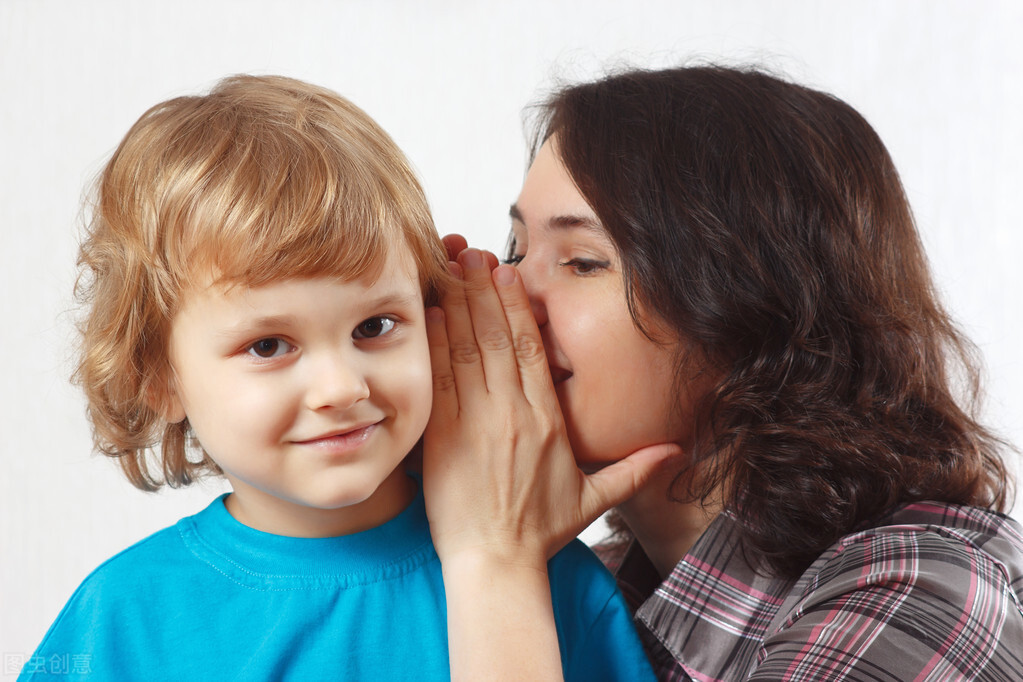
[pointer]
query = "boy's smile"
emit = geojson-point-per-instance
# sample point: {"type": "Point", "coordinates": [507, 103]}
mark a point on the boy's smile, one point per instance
{"type": "Point", "coordinates": [342, 440]}
{"type": "Point", "coordinates": [308, 393]}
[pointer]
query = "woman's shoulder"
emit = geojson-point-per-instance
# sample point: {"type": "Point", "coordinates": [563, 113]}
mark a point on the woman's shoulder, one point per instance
{"type": "Point", "coordinates": [908, 594]}
{"type": "Point", "coordinates": [929, 535]}
{"type": "Point", "coordinates": [925, 542]}
{"type": "Point", "coordinates": [975, 521]}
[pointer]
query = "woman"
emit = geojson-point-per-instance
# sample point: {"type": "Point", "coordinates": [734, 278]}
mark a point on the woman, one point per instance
{"type": "Point", "coordinates": [751, 362]}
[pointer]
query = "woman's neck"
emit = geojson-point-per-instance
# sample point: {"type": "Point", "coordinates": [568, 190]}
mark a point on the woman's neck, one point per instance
{"type": "Point", "coordinates": [665, 529]}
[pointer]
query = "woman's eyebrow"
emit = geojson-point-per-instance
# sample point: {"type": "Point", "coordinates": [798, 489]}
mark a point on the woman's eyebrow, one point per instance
{"type": "Point", "coordinates": [588, 223]}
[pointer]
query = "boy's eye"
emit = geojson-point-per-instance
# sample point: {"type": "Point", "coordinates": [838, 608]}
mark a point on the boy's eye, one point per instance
{"type": "Point", "coordinates": [270, 347]}
{"type": "Point", "coordinates": [373, 327]}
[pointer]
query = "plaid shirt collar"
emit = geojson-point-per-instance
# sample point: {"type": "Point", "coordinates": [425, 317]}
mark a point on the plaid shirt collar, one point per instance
{"type": "Point", "coordinates": [712, 612]}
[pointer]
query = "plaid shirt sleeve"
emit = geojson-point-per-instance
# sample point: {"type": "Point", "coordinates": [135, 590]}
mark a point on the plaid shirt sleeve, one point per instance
{"type": "Point", "coordinates": [932, 594]}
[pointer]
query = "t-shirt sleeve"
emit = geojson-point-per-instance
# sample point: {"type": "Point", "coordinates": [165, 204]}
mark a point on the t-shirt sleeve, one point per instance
{"type": "Point", "coordinates": [108, 619]}
{"type": "Point", "coordinates": [900, 605]}
{"type": "Point", "coordinates": [595, 630]}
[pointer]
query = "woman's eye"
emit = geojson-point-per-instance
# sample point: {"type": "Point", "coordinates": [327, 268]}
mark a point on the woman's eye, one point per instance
{"type": "Point", "coordinates": [373, 327]}
{"type": "Point", "coordinates": [585, 266]}
{"type": "Point", "coordinates": [270, 347]}
{"type": "Point", "coordinates": [511, 250]}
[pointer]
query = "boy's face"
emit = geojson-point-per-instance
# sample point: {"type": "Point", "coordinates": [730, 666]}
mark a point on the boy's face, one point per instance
{"type": "Point", "coordinates": [308, 393]}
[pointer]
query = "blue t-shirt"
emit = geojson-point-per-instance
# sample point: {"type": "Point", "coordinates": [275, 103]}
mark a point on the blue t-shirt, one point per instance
{"type": "Point", "coordinates": [211, 598]}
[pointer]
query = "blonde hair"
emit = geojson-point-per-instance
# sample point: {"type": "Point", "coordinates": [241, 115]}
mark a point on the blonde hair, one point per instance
{"type": "Point", "coordinates": [263, 179]}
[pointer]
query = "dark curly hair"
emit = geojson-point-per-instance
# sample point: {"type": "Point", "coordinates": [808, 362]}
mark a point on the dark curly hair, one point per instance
{"type": "Point", "coordinates": [765, 222]}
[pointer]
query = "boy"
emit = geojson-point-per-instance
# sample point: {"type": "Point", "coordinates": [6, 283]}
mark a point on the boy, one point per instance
{"type": "Point", "coordinates": [255, 278]}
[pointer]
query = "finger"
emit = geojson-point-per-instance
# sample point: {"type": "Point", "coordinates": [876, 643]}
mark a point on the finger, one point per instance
{"type": "Point", "coordinates": [493, 334]}
{"type": "Point", "coordinates": [492, 260]}
{"type": "Point", "coordinates": [463, 351]}
{"type": "Point", "coordinates": [617, 482]}
{"type": "Point", "coordinates": [445, 394]}
{"type": "Point", "coordinates": [531, 360]}
{"type": "Point", "coordinates": [454, 244]}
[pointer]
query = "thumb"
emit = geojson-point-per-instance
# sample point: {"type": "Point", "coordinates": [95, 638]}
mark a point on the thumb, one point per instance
{"type": "Point", "coordinates": [616, 483]}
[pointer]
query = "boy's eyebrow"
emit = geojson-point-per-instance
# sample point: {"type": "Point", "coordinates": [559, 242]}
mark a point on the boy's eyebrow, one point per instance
{"type": "Point", "coordinates": [390, 299]}
{"type": "Point", "coordinates": [563, 221]}
{"type": "Point", "coordinates": [368, 306]}
{"type": "Point", "coordinates": [249, 324]}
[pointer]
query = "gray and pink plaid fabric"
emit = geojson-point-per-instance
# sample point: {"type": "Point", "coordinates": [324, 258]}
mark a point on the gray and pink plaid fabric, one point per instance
{"type": "Point", "coordinates": [932, 592]}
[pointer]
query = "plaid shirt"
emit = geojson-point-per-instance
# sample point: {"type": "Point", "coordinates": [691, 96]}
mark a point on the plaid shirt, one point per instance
{"type": "Point", "coordinates": [932, 592]}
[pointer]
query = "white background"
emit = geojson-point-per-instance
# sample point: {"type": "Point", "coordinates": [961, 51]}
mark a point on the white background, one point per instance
{"type": "Point", "coordinates": [941, 81]}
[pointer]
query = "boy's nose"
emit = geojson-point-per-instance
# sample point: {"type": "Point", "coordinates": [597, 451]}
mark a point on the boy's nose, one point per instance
{"type": "Point", "coordinates": [335, 384]}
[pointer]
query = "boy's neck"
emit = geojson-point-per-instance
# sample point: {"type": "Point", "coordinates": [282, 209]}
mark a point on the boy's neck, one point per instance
{"type": "Point", "coordinates": [265, 512]}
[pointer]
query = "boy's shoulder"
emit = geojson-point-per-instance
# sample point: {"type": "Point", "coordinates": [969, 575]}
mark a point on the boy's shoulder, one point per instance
{"type": "Point", "coordinates": [576, 573]}
{"type": "Point", "coordinates": [150, 567]}
{"type": "Point", "coordinates": [576, 556]}
{"type": "Point", "coordinates": [117, 593]}
{"type": "Point", "coordinates": [144, 561]}
{"type": "Point", "coordinates": [595, 631]}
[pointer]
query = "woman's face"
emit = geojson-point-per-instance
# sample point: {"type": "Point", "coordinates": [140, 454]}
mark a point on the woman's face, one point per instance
{"type": "Point", "coordinates": [614, 384]}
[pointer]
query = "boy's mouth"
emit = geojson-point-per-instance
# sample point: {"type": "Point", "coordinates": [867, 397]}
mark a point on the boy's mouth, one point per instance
{"type": "Point", "coordinates": [351, 434]}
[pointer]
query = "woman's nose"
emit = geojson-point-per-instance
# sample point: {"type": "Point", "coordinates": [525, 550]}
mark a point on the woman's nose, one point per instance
{"type": "Point", "coordinates": [532, 281]}
{"type": "Point", "coordinates": [539, 311]}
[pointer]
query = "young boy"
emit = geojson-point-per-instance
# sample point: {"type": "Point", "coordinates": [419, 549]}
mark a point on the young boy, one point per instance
{"type": "Point", "coordinates": [255, 278]}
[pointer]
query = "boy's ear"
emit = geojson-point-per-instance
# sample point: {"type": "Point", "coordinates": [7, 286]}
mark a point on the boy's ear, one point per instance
{"type": "Point", "coordinates": [162, 397]}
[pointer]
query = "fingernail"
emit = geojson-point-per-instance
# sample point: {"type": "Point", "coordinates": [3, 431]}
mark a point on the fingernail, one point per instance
{"type": "Point", "coordinates": [504, 275]}
{"type": "Point", "coordinates": [472, 258]}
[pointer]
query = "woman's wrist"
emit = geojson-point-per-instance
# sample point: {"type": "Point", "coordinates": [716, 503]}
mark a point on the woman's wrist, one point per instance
{"type": "Point", "coordinates": [480, 559]}
{"type": "Point", "coordinates": [500, 618]}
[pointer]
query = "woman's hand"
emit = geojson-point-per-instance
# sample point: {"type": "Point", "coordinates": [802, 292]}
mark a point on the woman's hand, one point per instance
{"type": "Point", "coordinates": [500, 479]}
{"type": "Point", "coordinates": [503, 492]}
